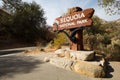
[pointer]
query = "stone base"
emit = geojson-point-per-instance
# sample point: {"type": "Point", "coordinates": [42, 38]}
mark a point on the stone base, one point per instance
{"type": "Point", "coordinates": [76, 61]}
{"type": "Point", "coordinates": [62, 62]}
{"type": "Point", "coordinates": [76, 55]}
{"type": "Point", "coordinates": [92, 69]}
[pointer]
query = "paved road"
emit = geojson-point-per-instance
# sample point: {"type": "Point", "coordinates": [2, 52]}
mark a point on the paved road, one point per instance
{"type": "Point", "coordinates": [15, 50]}
{"type": "Point", "coordinates": [31, 67]}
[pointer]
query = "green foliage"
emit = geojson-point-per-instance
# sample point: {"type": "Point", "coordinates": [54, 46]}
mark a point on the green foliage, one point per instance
{"type": "Point", "coordinates": [26, 22]}
{"type": "Point", "coordinates": [97, 26]}
{"type": "Point", "coordinates": [58, 41]}
{"type": "Point", "coordinates": [5, 24]}
{"type": "Point", "coordinates": [103, 37]}
{"type": "Point", "coordinates": [106, 40]}
{"type": "Point", "coordinates": [29, 21]}
{"type": "Point", "coordinates": [113, 50]}
{"type": "Point", "coordinates": [11, 5]}
{"type": "Point", "coordinates": [111, 7]}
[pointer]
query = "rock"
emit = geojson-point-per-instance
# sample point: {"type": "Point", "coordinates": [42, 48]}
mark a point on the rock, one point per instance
{"type": "Point", "coordinates": [67, 54]}
{"type": "Point", "coordinates": [50, 49]}
{"type": "Point", "coordinates": [59, 51]}
{"type": "Point", "coordinates": [62, 62]}
{"type": "Point", "coordinates": [32, 51]}
{"type": "Point", "coordinates": [89, 69]}
{"type": "Point", "coordinates": [82, 55]}
{"type": "Point", "coordinates": [103, 63]}
{"type": "Point", "coordinates": [42, 49]}
{"type": "Point", "coordinates": [54, 56]}
{"type": "Point", "coordinates": [79, 55]}
{"type": "Point", "coordinates": [46, 59]}
{"type": "Point", "coordinates": [61, 55]}
{"type": "Point", "coordinates": [74, 58]}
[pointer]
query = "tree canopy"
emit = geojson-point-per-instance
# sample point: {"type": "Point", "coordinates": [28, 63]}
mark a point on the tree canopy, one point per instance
{"type": "Point", "coordinates": [11, 5]}
{"type": "Point", "coordinates": [27, 20]}
{"type": "Point", "coordinates": [111, 7]}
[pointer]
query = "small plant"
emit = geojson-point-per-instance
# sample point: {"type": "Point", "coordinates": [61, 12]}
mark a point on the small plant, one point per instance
{"type": "Point", "coordinates": [58, 41]}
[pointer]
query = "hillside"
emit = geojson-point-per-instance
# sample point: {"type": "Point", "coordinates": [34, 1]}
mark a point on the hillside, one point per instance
{"type": "Point", "coordinates": [117, 22]}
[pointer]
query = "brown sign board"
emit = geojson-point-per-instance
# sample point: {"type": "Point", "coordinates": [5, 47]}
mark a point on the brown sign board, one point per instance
{"type": "Point", "coordinates": [77, 19]}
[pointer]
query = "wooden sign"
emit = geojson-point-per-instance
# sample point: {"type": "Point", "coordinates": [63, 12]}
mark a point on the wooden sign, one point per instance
{"type": "Point", "coordinates": [77, 19]}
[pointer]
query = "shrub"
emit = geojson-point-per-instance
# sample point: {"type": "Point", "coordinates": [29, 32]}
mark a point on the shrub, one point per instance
{"type": "Point", "coordinates": [58, 41]}
{"type": "Point", "coordinates": [114, 50]}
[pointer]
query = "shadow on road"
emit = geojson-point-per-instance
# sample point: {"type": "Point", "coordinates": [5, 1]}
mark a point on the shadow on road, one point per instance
{"type": "Point", "coordinates": [109, 69]}
{"type": "Point", "coordinates": [11, 65]}
{"type": "Point", "coordinates": [10, 52]}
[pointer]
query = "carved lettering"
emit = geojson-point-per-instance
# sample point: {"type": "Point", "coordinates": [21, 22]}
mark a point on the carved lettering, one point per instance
{"type": "Point", "coordinates": [77, 19]}
{"type": "Point", "coordinates": [82, 21]}
{"type": "Point", "coordinates": [67, 24]}
{"type": "Point", "coordinates": [71, 18]}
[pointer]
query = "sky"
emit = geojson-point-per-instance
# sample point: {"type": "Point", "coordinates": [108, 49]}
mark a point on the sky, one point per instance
{"type": "Point", "coordinates": [56, 8]}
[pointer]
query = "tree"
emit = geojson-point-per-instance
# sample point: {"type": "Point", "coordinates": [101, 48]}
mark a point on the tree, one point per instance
{"type": "Point", "coordinates": [11, 5]}
{"type": "Point", "coordinates": [96, 37]}
{"type": "Point", "coordinates": [29, 21]}
{"type": "Point", "coordinates": [97, 26]}
{"type": "Point", "coordinates": [111, 7]}
{"type": "Point", "coordinates": [5, 24]}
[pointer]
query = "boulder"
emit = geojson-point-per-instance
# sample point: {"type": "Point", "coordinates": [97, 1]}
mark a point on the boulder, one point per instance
{"type": "Point", "coordinates": [82, 55]}
{"type": "Point", "coordinates": [62, 62]}
{"type": "Point", "coordinates": [61, 55]}
{"type": "Point", "coordinates": [59, 51]}
{"type": "Point", "coordinates": [67, 54]}
{"type": "Point", "coordinates": [50, 49]}
{"type": "Point", "coordinates": [92, 69]}
{"type": "Point", "coordinates": [46, 59]}
{"type": "Point", "coordinates": [89, 68]}
{"type": "Point", "coordinates": [79, 55]}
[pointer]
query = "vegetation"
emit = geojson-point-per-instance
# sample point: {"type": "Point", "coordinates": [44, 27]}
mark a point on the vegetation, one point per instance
{"type": "Point", "coordinates": [111, 7]}
{"type": "Point", "coordinates": [23, 21]}
{"type": "Point", "coordinates": [103, 37]}
{"type": "Point", "coordinates": [59, 40]}
{"type": "Point", "coordinates": [26, 22]}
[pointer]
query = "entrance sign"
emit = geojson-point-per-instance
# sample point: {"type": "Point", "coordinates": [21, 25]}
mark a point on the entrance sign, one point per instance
{"type": "Point", "coordinates": [77, 19]}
